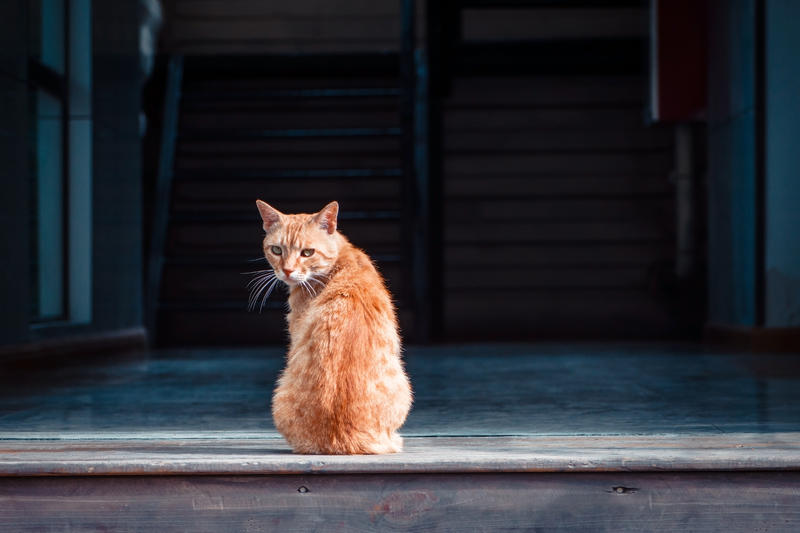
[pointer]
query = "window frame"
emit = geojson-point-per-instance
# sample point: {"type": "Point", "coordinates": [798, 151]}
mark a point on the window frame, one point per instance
{"type": "Point", "coordinates": [56, 84]}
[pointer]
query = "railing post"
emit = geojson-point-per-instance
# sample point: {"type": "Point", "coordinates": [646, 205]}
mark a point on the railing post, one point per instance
{"type": "Point", "coordinates": [163, 190]}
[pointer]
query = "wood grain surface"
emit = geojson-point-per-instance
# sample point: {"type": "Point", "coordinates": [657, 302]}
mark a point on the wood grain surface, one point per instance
{"type": "Point", "coordinates": [619, 502]}
{"type": "Point", "coordinates": [231, 456]}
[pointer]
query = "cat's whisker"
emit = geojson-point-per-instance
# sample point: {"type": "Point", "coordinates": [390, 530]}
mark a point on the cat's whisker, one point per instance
{"type": "Point", "coordinates": [257, 293]}
{"type": "Point", "coordinates": [257, 290]}
{"type": "Point", "coordinates": [315, 288]}
{"type": "Point", "coordinates": [257, 279]}
{"type": "Point", "coordinates": [269, 291]}
{"type": "Point", "coordinates": [262, 258]}
{"type": "Point", "coordinates": [261, 275]}
{"type": "Point", "coordinates": [257, 286]}
{"type": "Point", "coordinates": [305, 288]}
{"type": "Point", "coordinates": [321, 283]}
{"type": "Point", "coordinates": [258, 271]}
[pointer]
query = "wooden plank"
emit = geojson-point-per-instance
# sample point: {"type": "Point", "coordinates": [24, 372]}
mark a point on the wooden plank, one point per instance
{"type": "Point", "coordinates": [599, 208]}
{"type": "Point", "coordinates": [242, 205]}
{"type": "Point", "coordinates": [557, 117]}
{"type": "Point", "coordinates": [335, 152]}
{"type": "Point", "coordinates": [550, 90]}
{"type": "Point", "coordinates": [259, 84]}
{"type": "Point", "coordinates": [551, 161]}
{"type": "Point", "coordinates": [621, 502]}
{"type": "Point", "coordinates": [498, 185]}
{"type": "Point", "coordinates": [541, 172]}
{"type": "Point", "coordinates": [279, 161]}
{"type": "Point", "coordinates": [369, 28]}
{"type": "Point", "coordinates": [556, 312]}
{"type": "Point", "coordinates": [500, 276]}
{"type": "Point", "coordinates": [284, 118]}
{"type": "Point", "coordinates": [537, 138]}
{"type": "Point", "coordinates": [291, 195]}
{"type": "Point", "coordinates": [544, 23]}
{"type": "Point", "coordinates": [538, 232]}
{"type": "Point", "coordinates": [227, 102]}
{"type": "Point", "coordinates": [556, 254]}
{"type": "Point", "coordinates": [672, 392]}
{"type": "Point", "coordinates": [208, 47]}
{"type": "Point", "coordinates": [258, 8]}
{"type": "Point", "coordinates": [422, 455]}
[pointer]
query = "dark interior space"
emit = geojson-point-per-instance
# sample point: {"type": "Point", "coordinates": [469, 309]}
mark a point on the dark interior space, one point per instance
{"type": "Point", "coordinates": [586, 213]}
{"type": "Point", "coordinates": [513, 167]}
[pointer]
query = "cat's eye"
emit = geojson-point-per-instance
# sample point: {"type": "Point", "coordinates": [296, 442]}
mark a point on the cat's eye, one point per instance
{"type": "Point", "coordinates": [276, 250]}
{"type": "Point", "coordinates": [308, 252]}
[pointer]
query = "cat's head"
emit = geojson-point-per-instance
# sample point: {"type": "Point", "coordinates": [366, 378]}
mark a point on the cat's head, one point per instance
{"type": "Point", "coordinates": [302, 247]}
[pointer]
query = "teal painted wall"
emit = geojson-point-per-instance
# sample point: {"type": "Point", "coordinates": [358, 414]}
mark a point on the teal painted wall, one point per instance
{"type": "Point", "coordinates": [731, 165]}
{"type": "Point", "coordinates": [783, 163]}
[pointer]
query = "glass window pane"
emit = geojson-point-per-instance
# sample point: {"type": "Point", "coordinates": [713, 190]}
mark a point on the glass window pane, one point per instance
{"type": "Point", "coordinates": [46, 35]}
{"type": "Point", "coordinates": [47, 267]}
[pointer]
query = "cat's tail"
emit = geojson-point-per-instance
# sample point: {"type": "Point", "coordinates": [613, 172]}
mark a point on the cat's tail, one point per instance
{"type": "Point", "coordinates": [363, 444]}
{"type": "Point", "coordinates": [388, 443]}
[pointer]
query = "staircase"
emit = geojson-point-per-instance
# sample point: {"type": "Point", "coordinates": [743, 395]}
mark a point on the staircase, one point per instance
{"type": "Point", "coordinates": [296, 132]}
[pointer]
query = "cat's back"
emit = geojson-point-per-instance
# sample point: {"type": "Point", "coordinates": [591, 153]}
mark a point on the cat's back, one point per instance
{"type": "Point", "coordinates": [356, 285]}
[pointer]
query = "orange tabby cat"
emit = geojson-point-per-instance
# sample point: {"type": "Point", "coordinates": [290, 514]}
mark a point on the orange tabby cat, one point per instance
{"type": "Point", "coordinates": [343, 390]}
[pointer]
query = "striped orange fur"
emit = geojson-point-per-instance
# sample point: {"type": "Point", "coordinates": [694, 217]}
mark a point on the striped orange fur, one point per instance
{"type": "Point", "coordinates": [344, 389]}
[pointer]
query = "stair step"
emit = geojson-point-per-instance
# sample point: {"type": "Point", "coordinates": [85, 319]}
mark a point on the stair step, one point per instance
{"type": "Point", "coordinates": [250, 216]}
{"type": "Point", "coordinates": [273, 68]}
{"type": "Point", "coordinates": [288, 174]}
{"type": "Point", "coordinates": [298, 134]}
{"type": "Point", "coordinates": [244, 133]}
{"type": "Point", "coordinates": [362, 106]}
{"type": "Point", "coordinates": [284, 118]}
{"type": "Point", "coordinates": [223, 94]}
{"type": "Point", "coordinates": [194, 326]}
{"type": "Point", "coordinates": [244, 238]}
{"type": "Point", "coordinates": [235, 158]}
{"type": "Point", "coordinates": [333, 152]}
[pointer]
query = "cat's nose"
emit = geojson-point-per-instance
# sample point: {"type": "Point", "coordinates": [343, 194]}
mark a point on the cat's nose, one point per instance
{"type": "Point", "coordinates": [288, 272]}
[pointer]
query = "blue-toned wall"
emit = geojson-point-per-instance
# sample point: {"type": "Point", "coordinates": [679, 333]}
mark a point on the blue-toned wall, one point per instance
{"type": "Point", "coordinates": [731, 165]}
{"type": "Point", "coordinates": [110, 154]}
{"type": "Point", "coordinates": [783, 163]}
{"type": "Point", "coordinates": [117, 188]}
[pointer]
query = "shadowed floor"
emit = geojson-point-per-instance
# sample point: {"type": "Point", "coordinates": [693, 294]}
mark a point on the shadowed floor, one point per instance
{"type": "Point", "coordinates": [473, 390]}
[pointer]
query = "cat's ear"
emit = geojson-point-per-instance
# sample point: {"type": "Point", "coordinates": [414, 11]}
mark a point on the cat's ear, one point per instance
{"type": "Point", "coordinates": [327, 217]}
{"type": "Point", "coordinates": [269, 215]}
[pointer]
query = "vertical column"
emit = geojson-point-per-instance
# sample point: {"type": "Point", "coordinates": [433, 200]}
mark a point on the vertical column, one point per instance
{"type": "Point", "coordinates": [14, 201]}
{"type": "Point", "coordinates": [782, 180]}
{"type": "Point", "coordinates": [79, 128]}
